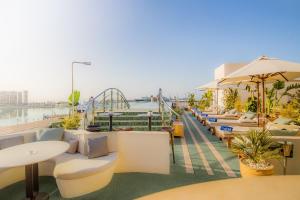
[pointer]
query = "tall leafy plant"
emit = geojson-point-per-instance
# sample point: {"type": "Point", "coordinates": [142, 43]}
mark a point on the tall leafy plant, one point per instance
{"type": "Point", "coordinates": [230, 98]}
{"type": "Point", "coordinates": [278, 85]}
{"type": "Point", "coordinates": [272, 96]}
{"type": "Point", "coordinates": [76, 95]}
{"type": "Point", "coordinates": [288, 91]}
{"type": "Point", "coordinates": [292, 108]}
{"type": "Point", "coordinates": [251, 104]}
{"type": "Point", "coordinates": [270, 100]}
{"type": "Point", "coordinates": [206, 100]}
{"type": "Point", "coordinates": [192, 100]}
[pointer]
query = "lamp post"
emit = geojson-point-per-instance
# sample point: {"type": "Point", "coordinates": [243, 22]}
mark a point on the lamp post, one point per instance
{"type": "Point", "coordinates": [76, 62]}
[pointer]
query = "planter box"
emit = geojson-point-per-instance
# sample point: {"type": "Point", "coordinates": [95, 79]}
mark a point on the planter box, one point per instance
{"type": "Point", "coordinates": [247, 171]}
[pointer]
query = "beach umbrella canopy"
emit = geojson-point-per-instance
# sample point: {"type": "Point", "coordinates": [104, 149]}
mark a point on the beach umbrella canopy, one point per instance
{"type": "Point", "coordinates": [213, 85]}
{"type": "Point", "coordinates": [265, 70]}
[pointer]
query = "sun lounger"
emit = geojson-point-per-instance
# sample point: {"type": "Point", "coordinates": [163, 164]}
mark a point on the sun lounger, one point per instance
{"type": "Point", "coordinates": [203, 118]}
{"type": "Point", "coordinates": [247, 119]}
{"type": "Point", "coordinates": [228, 135]}
{"type": "Point", "coordinates": [199, 115]}
{"type": "Point", "coordinates": [283, 129]}
{"type": "Point", "coordinates": [232, 114]}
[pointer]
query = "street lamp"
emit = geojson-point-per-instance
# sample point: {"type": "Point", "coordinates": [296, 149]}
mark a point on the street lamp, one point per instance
{"type": "Point", "coordinates": [76, 62]}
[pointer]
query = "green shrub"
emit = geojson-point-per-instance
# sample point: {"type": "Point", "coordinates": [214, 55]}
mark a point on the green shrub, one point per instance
{"type": "Point", "coordinates": [72, 122]}
{"type": "Point", "coordinates": [58, 124]}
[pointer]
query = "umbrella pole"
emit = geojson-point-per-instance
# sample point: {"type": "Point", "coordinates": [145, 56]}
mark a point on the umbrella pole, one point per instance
{"type": "Point", "coordinates": [263, 102]}
{"type": "Point", "coordinates": [257, 109]}
{"type": "Point", "coordinates": [217, 101]}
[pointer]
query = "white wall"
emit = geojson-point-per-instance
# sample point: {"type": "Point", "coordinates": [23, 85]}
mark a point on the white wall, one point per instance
{"type": "Point", "coordinates": [223, 71]}
{"type": "Point", "coordinates": [226, 69]}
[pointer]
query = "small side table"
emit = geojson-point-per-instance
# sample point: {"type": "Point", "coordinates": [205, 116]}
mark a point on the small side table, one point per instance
{"type": "Point", "coordinates": [229, 137]}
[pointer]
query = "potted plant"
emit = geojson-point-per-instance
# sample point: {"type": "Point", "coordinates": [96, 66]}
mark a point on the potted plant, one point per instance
{"type": "Point", "coordinates": [255, 151]}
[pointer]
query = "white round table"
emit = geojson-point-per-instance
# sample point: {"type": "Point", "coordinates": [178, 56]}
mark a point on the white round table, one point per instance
{"type": "Point", "coordinates": [29, 155]}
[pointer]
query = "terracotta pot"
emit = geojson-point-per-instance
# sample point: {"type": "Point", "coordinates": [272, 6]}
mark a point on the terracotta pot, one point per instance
{"type": "Point", "coordinates": [247, 171]}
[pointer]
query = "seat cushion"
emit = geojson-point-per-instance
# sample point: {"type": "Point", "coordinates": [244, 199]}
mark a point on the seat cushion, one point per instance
{"type": "Point", "coordinates": [112, 141]}
{"type": "Point", "coordinates": [11, 141]}
{"type": "Point", "coordinates": [282, 121]}
{"type": "Point", "coordinates": [232, 111]}
{"type": "Point", "coordinates": [273, 126]}
{"type": "Point", "coordinates": [97, 147]}
{"type": "Point", "coordinates": [50, 134]}
{"type": "Point", "coordinates": [73, 146]}
{"type": "Point", "coordinates": [74, 166]}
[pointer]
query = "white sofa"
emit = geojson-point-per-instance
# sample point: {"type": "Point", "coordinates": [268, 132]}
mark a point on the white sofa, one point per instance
{"type": "Point", "coordinates": [77, 175]}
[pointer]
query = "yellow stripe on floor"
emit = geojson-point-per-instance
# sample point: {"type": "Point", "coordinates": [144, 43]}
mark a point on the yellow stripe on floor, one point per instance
{"type": "Point", "coordinates": [218, 156]}
{"type": "Point", "coordinates": [199, 150]}
{"type": "Point", "coordinates": [186, 156]}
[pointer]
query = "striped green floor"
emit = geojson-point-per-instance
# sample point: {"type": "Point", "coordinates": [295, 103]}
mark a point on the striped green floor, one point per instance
{"type": "Point", "coordinates": [132, 185]}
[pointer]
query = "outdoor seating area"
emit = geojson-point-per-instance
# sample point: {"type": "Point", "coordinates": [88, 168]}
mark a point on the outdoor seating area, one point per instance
{"type": "Point", "coordinates": [84, 168]}
{"type": "Point", "coordinates": [123, 100]}
{"type": "Point", "coordinates": [75, 176]}
{"type": "Point", "coordinates": [200, 157]}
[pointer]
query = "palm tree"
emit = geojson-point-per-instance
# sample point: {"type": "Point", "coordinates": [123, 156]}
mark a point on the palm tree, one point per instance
{"type": "Point", "coordinates": [191, 100]}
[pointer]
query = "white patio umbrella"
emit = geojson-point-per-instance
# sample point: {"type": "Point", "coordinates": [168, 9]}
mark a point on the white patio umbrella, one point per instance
{"type": "Point", "coordinates": [265, 70]}
{"type": "Point", "coordinates": [213, 85]}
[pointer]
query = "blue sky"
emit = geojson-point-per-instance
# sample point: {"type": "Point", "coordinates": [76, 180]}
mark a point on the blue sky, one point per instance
{"type": "Point", "coordinates": [137, 45]}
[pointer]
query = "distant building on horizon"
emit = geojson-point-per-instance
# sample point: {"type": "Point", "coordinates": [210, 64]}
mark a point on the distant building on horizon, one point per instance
{"type": "Point", "coordinates": [20, 98]}
{"type": "Point", "coordinates": [25, 97]}
{"type": "Point", "coordinates": [14, 97]}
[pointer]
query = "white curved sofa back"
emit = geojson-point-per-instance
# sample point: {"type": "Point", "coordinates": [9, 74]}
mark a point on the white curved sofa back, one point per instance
{"type": "Point", "coordinates": [139, 151]}
{"type": "Point", "coordinates": [83, 136]}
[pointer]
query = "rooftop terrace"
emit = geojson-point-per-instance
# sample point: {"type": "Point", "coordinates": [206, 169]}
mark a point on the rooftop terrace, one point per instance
{"type": "Point", "coordinates": [200, 157]}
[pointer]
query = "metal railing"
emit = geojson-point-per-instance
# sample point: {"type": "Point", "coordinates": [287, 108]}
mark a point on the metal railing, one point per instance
{"type": "Point", "coordinates": [109, 100]}
{"type": "Point", "coordinates": [162, 103]}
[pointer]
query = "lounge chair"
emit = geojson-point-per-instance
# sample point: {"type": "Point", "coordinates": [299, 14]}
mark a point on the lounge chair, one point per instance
{"type": "Point", "coordinates": [227, 135]}
{"type": "Point", "coordinates": [247, 119]}
{"type": "Point", "coordinates": [232, 114]}
{"type": "Point", "coordinates": [283, 127]}
{"type": "Point", "coordinates": [199, 114]}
